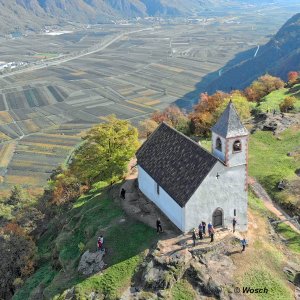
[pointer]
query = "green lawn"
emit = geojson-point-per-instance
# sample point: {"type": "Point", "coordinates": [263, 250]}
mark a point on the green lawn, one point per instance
{"type": "Point", "coordinates": [261, 277]}
{"type": "Point", "coordinates": [292, 237]}
{"type": "Point", "coordinates": [272, 101]}
{"type": "Point", "coordinates": [46, 55]}
{"type": "Point", "coordinates": [269, 162]}
{"type": "Point", "coordinates": [91, 215]}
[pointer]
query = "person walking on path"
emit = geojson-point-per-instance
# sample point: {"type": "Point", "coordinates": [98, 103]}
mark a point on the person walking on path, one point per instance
{"type": "Point", "coordinates": [200, 228]}
{"type": "Point", "coordinates": [123, 193]}
{"type": "Point", "coordinates": [234, 221]}
{"type": "Point", "coordinates": [158, 226]}
{"type": "Point", "coordinates": [194, 237]}
{"type": "Point", "coordinates": [209, 226]}
{"type": "Point", "coordinates": [211, 233]}
{"type": "Point", "coordinates": [100, 243]}
{"type": "Point", "coordinates": [244, 244]}
{"type": "Point", "coordinates": [203, 227]}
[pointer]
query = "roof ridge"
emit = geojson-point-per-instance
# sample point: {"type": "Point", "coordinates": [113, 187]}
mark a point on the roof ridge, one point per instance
{"type": "Point", "coordinates": [188, 138]}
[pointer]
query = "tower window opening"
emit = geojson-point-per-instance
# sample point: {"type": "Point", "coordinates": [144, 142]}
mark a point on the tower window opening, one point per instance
{"type": "Point", "coordinates": [219, 144]}
{"type": "Point", "coordinates": [237, 146]}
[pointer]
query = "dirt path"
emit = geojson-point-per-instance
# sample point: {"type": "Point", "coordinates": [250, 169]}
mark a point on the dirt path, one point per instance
{"type": "Point", "coordinates": [261, 193]}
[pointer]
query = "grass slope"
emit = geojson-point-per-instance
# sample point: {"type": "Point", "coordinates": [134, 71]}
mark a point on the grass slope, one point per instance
{"type": "Point", "coordinates": [91, 215]}
{"type": "Point", "coordinates": [272, 101]}
{"type": "Point", "coordinates": [269, 162]}
{"type": "Point", "coordinates": [292, 238]}
{"type": "Point", "coordinates": [262, 263]}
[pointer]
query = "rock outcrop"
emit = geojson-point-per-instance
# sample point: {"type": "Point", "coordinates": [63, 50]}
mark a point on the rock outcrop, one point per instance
{"type": "Point", "coordinates": [91, 263]}
{"type": "Point", "coordinates": [210, 272]}
{"type": "Point", "coordinates": [162, 272]}
{"type": "Point", "coordinates": [277, 122]}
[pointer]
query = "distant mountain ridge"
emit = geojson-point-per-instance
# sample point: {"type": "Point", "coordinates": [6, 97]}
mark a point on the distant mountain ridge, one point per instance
{"type": "Point", "coordinates": [32, 14]}
{"type": "Point", "coordinates": [279, 56]}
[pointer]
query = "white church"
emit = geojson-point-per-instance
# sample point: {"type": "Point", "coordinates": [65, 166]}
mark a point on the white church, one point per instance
{"type": "Point", "coordinates": [188, 183]}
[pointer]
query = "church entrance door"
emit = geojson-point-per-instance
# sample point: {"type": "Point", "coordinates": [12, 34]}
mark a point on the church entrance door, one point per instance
{"type": "Point", "coordinates": [218, 218]}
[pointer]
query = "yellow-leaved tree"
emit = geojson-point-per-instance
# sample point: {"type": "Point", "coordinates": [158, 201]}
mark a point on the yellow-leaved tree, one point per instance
{"type": "Point", "coordinates": [242, 105]}
{"type": "Point", "coordinates": [106, 151]}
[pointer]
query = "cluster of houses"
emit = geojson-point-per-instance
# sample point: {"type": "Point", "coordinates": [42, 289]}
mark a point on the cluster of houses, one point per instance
{"type": "Point", "coordinates": [11, 65]}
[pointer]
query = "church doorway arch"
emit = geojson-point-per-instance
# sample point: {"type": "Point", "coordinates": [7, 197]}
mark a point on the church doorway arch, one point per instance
{"type": "Point", "coordinates": [218, 218]}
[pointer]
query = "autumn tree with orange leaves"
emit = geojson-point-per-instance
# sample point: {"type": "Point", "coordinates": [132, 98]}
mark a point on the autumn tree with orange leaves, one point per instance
{"type": "Point", "coordinates": [293, 77]}
{"type": "Point", "coordinates": [262, 87]}
{"type": "Point", "coordinates": [16, 260]}
{"type": "Point", "coordinates": [204, 116]}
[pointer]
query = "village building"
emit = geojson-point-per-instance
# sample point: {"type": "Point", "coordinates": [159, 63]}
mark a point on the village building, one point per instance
{"type": "Point", "coordinates": [188, 183]}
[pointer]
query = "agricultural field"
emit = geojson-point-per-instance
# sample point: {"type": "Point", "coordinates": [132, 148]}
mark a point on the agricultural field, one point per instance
{"type": "Point", "coordinates": [138, 69]}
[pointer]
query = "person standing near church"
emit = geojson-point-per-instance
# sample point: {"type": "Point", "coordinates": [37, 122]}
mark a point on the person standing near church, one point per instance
{"type": "Point", "coordinates": [244, 244]}
{"type": "Point", "coordinates": [194, 237]}
{"type": "Point", "coordinates": [158, 226]}
{"type": "Point", "coordinates": [211, 233]}
{"type": "Point", "coordinates": [203, 227]}
{"type": "Point", "coordinates": [123, 193]}
{"type": "Point", "coordinates": [234, 221]}
{"type": "Point", "coordinates": [209, 226]}
{"type": "Point", "coordinates": [200, 228]}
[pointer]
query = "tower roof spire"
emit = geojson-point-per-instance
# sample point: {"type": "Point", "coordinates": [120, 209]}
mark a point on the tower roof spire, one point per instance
{"type": "Point", "coordinates": [229, 124]}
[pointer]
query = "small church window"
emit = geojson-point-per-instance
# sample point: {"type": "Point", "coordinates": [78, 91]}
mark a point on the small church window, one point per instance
{"type": "Point", "coordinates": [219, 144]}
{"type": "Point", "coordinates": [234, 212]}
{"type": "Point", "coordinates": [157, 189]}
{"type": "Point", "coordinates": [237, 146]}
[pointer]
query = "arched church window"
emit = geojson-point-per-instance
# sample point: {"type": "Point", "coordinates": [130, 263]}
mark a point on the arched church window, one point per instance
{"type": "Point", "coordinates": [219, 144]}
{"type": "Point", "coordinates": [237, 146]}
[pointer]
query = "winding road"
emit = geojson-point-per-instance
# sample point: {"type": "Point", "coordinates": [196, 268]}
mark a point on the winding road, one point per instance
{"type": "Point", "coordinates": [92, 50]}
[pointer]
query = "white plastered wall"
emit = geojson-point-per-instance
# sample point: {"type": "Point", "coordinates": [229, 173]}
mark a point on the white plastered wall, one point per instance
{"type": "Point", "coordinates": [226, 192]}
{"type": "Point", "coordinates": [166, 204]}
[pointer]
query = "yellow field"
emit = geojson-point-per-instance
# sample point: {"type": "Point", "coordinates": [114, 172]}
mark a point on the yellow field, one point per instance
{"type": "Point", "coordinates": [5, 117]}
{"type": "Point", "coordinates": [78, 73]}
{"type": "Point", "coordinates": [48, 147]}
{"type": "Point", "coordinates": [154, 102]}
{"type": "Point", "coordinates": [6, 154]}
{"type": "Point", "coordinates": [169, 68]}
{"type": "Point", "coordinates": [148, 93]}
{"type": "Point", "coordinates": [4, 137]}
{"type": "Point", "coordinates": [31, 126]}
{"type": "Point", "coordinates": [22, 180]}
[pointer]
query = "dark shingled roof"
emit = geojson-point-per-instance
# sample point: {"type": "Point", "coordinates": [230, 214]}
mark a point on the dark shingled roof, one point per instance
{"type": "Point", "coordinates": [175, 162]}
{"type": "Point", "coordinates": [229, 124]}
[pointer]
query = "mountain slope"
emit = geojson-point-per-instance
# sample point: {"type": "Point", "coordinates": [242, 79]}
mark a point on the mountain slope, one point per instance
{"type": "Point", "coordinates": [32, 14]}
{"type": "Point", "coordinates": [279, 56]}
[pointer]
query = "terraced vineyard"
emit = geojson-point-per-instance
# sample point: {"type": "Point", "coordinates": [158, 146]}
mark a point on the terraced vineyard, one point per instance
{"type": "Point", "coordinates": [44, 112]}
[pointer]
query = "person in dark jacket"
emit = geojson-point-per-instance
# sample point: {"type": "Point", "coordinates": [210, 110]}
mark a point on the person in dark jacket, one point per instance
{"type": "Point", "coordinates": [200, 228]}
{"type": "Point", "coordinates": [234, 221]}
{"type": "Point", "coordinates": [211, 233]}
{"type": "Point", "coordinates": [194, 237]}
{"type": "Point", "coordinates": [203, 227]}
{"type": "Point", "coordinates": [123, 193]}
{"type": "Point", "coordinates": [158, 226]}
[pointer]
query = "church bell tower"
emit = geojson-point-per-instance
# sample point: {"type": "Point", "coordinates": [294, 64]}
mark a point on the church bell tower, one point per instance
{"type": "Point", "coordinates": [230, 138]}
